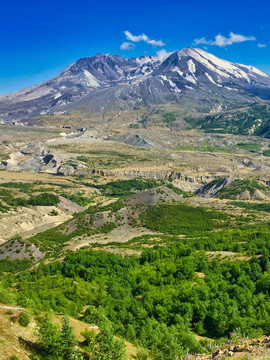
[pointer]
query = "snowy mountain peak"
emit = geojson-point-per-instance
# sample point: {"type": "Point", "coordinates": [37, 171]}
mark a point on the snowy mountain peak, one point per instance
{"type": "Point", "coordinates": [197, 67]}
{"type": "Point", "coordinates": [106, 81]}
{"type": "Point", "coordinates": [223, 67]}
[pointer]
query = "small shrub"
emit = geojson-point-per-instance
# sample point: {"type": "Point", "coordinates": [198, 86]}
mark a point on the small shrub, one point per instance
{"type": "Point", "coordinates": [24, 319]}
{"type": "Point", "coordinates": [44, 199]}
{"type": "Point", "coordinates": [266, 153]}
{"type": "Point", "coordinates": [6, 295]}
{"type": "Point", "coordinates": [168, 118]}
{"type": "Point", "coordinates": [108, 227]}
{"type": "Point", "coordinates": [251, 147]}
{"type": "Point", "coordinates": [142, 354]}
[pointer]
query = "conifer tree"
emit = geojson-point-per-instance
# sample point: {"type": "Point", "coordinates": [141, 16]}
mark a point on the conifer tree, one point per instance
{"type": "Point", "coordinates": [108, 347]}
{"type": "Point", "coordinates": [68, 340]}
{"type": "Point", "coordinates": [49, 339]}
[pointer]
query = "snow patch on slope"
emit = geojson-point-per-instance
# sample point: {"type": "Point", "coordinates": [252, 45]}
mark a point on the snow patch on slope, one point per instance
{"type": "Point", "coordinates": [58, 95]}
{"type": "Point", "coordinates": [190, 78]}
{"type": "Point", "coordinates": [212, 80]}
{"type": "Point", "coordinates": [171, 83]}
{"type": "Point", "coordinates": [253, 71]}
{"type": "Point", "coordinates": [229, 88]}
{"type": "Point", "coordinates": [191, 66]}
{"type": "Point", "coordinates": [177, 70]}
{"type": "Point", "coordinates": [91, 80]}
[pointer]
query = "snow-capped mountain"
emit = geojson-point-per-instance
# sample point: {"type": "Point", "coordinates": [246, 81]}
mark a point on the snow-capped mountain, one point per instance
{"type": "Point", "coordinates": [105, 82]}
{"type": "Point", "coordinates": [195, 67]}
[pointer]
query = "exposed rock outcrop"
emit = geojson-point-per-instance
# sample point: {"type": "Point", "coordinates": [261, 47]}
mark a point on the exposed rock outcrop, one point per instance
{"type": "Point", "coordinates": [132, 174]}
{"type": "Point", "coordinates": [212, 188]}
{"type": "Point", "coordinates": [134, 140]}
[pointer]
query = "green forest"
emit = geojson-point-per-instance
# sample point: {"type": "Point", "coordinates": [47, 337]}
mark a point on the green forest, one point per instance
{"type": "Point", "coordinates": [201, 276]}
{"type": "Point", "coordinates": [158, 301]}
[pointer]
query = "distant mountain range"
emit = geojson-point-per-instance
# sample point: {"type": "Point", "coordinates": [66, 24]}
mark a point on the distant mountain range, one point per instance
{"type": "Point", "coordinates": [109, 82]}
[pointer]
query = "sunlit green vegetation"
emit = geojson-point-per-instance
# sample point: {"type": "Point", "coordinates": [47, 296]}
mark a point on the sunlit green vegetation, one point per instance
{"type": "Point", "coordinates": [122, 188]}
{"type": "Point", "coordinates": [3, 208]}
{"type": "Point", "coordinates": [200, 271]}
{"type": "Point", "coordinates": [255, 118]}
{"type": "Point", "coordinates": [4, 156]}
{"type": "Point", "coordinates": [43, 199]}
{"type": "Point", "coordinates": [158, 299]}
{"type": "Point", "coordinates": [168, 118]}
{"type": "Point", "coordinates": [9, 266]}
{"type": "Point", "coordinates": [251, 147]}
{"type": "Point", "coordinates": [182, 219]}
{"type": "Point", "coordinates": [54, 343]}
{"type": "Point", "coordinates": [23, 187]}
{"type": "Point", "coordinates": [78, 198]}
{"type": "Point", "coordinates": [252, 206]}
{"type": "Point", "coordinates": [267, 153]}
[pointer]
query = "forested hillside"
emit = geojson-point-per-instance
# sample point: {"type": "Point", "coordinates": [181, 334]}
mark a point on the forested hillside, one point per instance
{"type": "Point", "coordinates": [196, 277]}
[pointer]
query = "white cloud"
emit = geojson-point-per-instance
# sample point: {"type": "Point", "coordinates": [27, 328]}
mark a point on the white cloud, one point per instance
{"type": "Point", "coordinates": [201, 41]}
{"type": "Point", "coordinates": [163, 54]}
{"type": "Point", "coordinates": [155, 42]}
{"type": "Point", "coordinates": [136, 38]}
{"type": "Point", "coordinates": [262, 46]}
{"type": "Point", "coordinates": [142, 37]}
{"type": "Point", "coordinates": [127, 46]}
{"type": "Point", "coordinates": [222, 41]}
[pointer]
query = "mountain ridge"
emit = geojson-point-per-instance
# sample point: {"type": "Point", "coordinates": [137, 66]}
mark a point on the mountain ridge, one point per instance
{"type": "Point", "coordinates": [107, 82]}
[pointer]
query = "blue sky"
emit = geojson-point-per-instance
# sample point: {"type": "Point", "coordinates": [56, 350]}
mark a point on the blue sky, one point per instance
{"type": "Point", "coordinates": [39, 38]}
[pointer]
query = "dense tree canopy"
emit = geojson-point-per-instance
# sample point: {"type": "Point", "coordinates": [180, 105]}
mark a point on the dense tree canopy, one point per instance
{"type": "Point", "coordinates": [158, 301]}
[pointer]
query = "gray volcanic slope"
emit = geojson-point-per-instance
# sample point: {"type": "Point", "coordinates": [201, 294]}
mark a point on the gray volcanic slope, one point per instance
{"type": "Point", "coordinates": [110, 82]}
